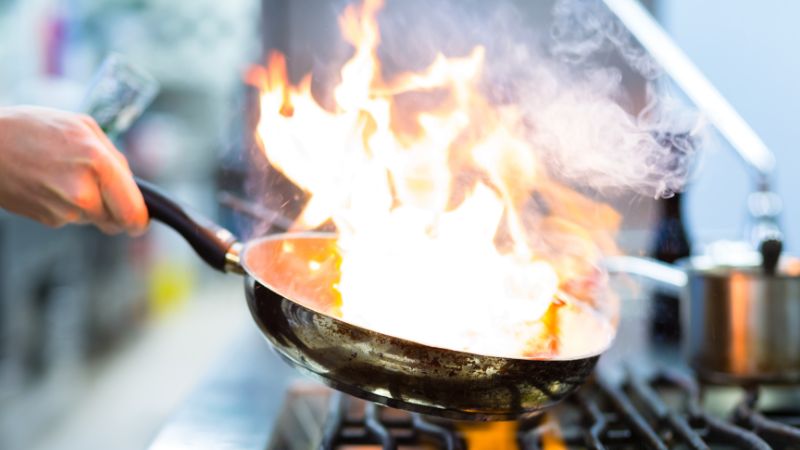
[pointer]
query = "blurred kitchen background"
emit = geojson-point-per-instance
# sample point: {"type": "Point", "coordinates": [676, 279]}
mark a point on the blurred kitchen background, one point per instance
{"type": "Point", "coordinates": [102, 338]}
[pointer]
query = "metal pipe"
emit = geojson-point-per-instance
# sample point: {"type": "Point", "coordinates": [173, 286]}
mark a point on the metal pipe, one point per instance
{"type": "Point", "coordinates": [668, 277]}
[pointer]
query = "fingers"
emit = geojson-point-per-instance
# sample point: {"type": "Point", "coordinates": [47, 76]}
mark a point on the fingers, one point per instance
{"type": "Point", "coordinates": [121, 202]}
{"type": "Point", "coordinates": [92, 209]}
{"type": "Point", "coordinates": [101, 135]}
{"type": "Point", "coordinates": [122, 199]}
{"type": "Point", "coordinates": [81, 203]}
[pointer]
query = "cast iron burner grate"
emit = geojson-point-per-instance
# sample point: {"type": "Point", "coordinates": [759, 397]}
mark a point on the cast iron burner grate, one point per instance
{"type": "Point", "coordinates": [664, 410]}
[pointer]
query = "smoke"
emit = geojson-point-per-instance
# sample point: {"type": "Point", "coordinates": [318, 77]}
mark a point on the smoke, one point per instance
{"type": "Point", "coordinates": [582, 30]}
{"type": "Point", "coordinates": [597, 107]}
{"type": "Point", "coordinates": [605, 145]}
{"type": "Point", "coordinates": [588, 139]}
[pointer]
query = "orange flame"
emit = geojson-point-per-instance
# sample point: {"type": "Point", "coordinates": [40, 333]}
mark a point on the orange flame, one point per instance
{"type": "Point", "coordinates": [490, 436]}
{"type": "Point", "coordinates": [439, 200]}
{"type": "Point", "coordinates": [504, 435]}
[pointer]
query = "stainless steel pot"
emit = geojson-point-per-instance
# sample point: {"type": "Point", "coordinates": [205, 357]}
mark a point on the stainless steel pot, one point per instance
{"type": "Point", "coordinates": [740, 324]}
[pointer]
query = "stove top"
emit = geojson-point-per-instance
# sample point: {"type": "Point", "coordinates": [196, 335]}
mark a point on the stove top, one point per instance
{"type": "Point", "coordinates": [642, 396]}
{"type": "Point", "coordinates": [665, 409]}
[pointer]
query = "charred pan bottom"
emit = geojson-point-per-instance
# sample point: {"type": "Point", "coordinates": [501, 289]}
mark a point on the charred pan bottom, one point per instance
{"type": "Point", "coordinates": [407, 375]}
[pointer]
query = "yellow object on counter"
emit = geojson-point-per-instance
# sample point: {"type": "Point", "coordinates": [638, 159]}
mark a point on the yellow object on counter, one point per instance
{"type": "Point", "coordinates": [170, 284]}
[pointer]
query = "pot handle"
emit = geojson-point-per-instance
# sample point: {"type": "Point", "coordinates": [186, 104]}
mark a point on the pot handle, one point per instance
{"type": "Point", "coordinates": [217, 246]}
{"type": "Point", "coordinates": [666, 276]}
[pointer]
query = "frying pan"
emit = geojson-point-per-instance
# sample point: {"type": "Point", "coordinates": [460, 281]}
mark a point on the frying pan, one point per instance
{"type": "Point", "coordinates": [294, 309]}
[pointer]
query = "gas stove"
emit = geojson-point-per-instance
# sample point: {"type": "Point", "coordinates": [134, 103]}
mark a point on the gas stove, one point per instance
{"type": "Point", "coordinates": [665, 409]}
{"type": "Point", "coordinates": [642, 396]}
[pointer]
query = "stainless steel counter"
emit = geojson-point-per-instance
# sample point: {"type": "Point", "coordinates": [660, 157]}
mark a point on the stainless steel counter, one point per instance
{"type": "Point", "coordinates": [236, 406]}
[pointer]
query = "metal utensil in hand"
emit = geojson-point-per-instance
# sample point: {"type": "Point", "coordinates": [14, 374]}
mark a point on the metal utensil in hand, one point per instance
{"type": "Point", "coordinates": [119, 94]}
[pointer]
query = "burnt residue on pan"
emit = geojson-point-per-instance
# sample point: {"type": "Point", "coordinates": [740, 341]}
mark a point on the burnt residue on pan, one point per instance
{"type": "Point", "coordinates": [408, 375]}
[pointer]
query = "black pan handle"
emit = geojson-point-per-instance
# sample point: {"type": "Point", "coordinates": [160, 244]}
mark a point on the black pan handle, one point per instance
{"type": "Point", "coordinates": [216, 245]}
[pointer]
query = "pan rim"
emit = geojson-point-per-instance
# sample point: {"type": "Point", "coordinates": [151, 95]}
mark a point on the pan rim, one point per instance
{"type": "Point", "coordinates": [293, 235]}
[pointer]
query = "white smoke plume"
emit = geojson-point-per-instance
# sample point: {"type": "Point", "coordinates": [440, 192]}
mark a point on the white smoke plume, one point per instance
{"type": "Point", "coordinates": [607, 146]}
{"type": "Point", "coordinates": [572, 77]}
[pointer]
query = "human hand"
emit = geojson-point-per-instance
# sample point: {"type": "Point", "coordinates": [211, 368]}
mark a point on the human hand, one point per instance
{"type": "Point", "coordinates": [58, 167]}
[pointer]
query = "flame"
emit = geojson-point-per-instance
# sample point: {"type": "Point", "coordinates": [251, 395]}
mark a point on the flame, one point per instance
{"type": "Point", "coordinates": [439, 200]}
{"type": "Point", "coordinates": [506, 435]}
{"type": "Point", "coordinates": [490, 436]}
